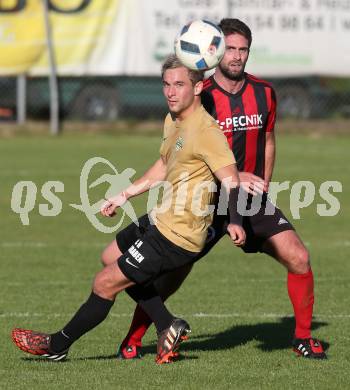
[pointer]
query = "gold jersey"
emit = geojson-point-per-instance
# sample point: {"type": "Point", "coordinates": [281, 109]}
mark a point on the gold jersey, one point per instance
{"type": "Point", "coordinates": [192, 149]}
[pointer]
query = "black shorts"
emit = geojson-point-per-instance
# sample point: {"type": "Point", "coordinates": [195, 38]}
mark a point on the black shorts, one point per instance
{"type": "Point", "coordinates": [147, 253]}
{"type": "Point", "coordinates": [258, 228]}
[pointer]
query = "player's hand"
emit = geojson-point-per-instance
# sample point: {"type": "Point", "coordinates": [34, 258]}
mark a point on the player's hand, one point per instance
{"type": "Point", "coordinates": [237, 234]}
{"type": "Point", "coordinates": [108, 208]}
{"type": "Point", "coordinates": [251, 183]}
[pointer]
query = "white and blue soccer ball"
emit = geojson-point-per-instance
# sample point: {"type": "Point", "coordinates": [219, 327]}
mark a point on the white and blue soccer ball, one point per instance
{"type": "Point", "coordinates": [200, 45]}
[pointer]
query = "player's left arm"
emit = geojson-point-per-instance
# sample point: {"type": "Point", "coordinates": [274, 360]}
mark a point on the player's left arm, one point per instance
{"type": "Point", "coordinates": [270, 143]}
{"type": "Point", "coordinates": [270, 154]}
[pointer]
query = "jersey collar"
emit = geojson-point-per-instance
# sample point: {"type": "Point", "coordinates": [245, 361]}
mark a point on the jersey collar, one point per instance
{"type": "Point", "coordinates": [191, 118]}
{"type": "Point", "coordinates": [239, 93]}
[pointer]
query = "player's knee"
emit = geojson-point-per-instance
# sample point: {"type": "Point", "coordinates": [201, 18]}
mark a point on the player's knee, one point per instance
{"type": "Point", "coordinates": [105, 258]}
{"type": "Point", "coordinates": [301, 261]}
{"type": "Point", "coordinates": [304, 257]}
{"type": "Point", "coordinates": [98, 285]}
{"type": "Point", "coordinates": [103, 285]}
{"type": "Point", "coordinates": [110, 255]}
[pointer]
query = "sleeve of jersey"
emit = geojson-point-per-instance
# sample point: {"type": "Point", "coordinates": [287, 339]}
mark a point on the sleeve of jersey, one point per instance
{"type": "Point", "coordinates": [272, 105]}
{"type": "Point", "coordinates": [214, 150]}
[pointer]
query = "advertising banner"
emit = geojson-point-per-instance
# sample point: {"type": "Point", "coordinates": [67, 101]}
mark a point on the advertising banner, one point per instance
{"type": "Point", "coordinates": [132, 37]}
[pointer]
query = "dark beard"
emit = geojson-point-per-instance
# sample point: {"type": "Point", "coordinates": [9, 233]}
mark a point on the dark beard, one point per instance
{"type": "Point", "coordinates": [232, 76]}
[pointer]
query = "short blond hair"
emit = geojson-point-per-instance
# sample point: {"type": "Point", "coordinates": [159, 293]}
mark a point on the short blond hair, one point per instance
{"type": "Point", "coordinates": [173, 62]}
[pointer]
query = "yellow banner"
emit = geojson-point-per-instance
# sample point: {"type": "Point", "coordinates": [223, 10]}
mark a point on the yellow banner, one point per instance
{"type": "Point", "coordinates": [22, 35]}
{"type": "Point", "coordinates": [79, 30]}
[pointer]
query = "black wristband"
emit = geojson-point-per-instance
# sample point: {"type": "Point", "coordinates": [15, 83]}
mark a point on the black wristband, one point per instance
{"type": "Point", "coordinates": [235, 216]}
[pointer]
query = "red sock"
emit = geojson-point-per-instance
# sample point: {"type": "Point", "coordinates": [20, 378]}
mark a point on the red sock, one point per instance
{"type": "Point", "coordinates": [301, 294]}
{"type": "Point", "coordinates": [139, 325]}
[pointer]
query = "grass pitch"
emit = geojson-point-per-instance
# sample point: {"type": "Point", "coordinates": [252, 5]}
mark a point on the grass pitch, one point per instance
{"type": "Point", "coordinates": [237, 304]}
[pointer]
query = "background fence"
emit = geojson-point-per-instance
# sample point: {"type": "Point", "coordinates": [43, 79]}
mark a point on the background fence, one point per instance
{"type": "Point", "coordinates": [119, 97]}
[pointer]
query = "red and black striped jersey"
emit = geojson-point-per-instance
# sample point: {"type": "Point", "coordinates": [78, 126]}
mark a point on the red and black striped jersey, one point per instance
{"type": "Point", "coordinates": [244, 117]}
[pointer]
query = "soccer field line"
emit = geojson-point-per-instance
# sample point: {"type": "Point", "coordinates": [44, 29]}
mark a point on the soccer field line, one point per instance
{"type": "Point", "coordinates": [234, 281]}
{"type": "Point", "coordinates": [195, 315]}
{"type": "Point", "coordinates": [83, 243]}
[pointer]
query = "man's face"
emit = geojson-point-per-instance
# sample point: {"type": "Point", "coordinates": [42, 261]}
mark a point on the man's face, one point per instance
{"type": "Point", "coordinates": [178, 90]}
{"type": "Point", "coordinates": [236, 56]}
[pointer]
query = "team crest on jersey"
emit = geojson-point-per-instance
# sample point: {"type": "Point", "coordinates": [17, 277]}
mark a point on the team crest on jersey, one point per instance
{"type": "Point", "coordinates": [179, 144]}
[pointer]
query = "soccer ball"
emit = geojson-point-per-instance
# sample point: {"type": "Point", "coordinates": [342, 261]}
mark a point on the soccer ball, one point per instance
{"type": "Point", "coordinates": [200, 45]}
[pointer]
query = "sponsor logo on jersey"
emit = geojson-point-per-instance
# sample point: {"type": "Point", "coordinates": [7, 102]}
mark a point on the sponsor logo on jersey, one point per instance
{"type": "Point", "coordinates": [179, 144]}
{"type": "Point", "coordinates": [242, 122]}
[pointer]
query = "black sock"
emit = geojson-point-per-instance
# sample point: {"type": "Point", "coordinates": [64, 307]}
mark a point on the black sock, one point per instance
{"type": "Point", "coordinates": [90, 314]}
{"type": "Point", "coordinates": [152, 304]}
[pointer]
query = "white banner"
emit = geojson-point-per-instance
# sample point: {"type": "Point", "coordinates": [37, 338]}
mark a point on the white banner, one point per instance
{"type": "Point", "coordinates": [297, 37]}
{"type": "Point", "coordinates": [290, 37]}
{"type": "Point", "coordinates": [132, 37]}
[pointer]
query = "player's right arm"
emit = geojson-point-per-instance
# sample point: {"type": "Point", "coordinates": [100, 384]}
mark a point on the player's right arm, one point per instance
{"type": "Point", "coordinates": [213, 149]}
{"type": "Point", "coordinates": [228, 176]}
{"type": "Point", "coordinates": [155, 174]}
